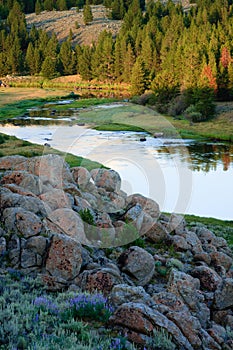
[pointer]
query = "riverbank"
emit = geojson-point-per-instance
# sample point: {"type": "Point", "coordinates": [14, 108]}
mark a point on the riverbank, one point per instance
{"type": "Point", "coordinates": [13, 146]}
{"type": "Point", "coordinates": [127, 117]}
{"type": "Point", "coordinates": [10, 145]}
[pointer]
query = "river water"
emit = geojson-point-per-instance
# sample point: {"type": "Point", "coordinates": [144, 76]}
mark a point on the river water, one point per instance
{"type": "Point", "coordinates": [183, 176]}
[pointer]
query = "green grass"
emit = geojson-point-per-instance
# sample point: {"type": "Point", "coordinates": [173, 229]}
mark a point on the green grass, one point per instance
{"type": "Point", "coordinates": [85, 103]}
{"type": "Point", "coordinates": [131, 117]}
{"type": "Point", "coordinates": [219, 128]}
{"type": "Point", "coordinates": [11, 145]}
{"type": "Point", "coordinates": [118, 127]}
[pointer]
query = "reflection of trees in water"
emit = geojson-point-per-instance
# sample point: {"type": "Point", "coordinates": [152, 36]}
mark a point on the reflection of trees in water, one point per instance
{"type": "Point", "coordinates": [33, 122]}
{"type": "Point", "coordinates": [203, 156]}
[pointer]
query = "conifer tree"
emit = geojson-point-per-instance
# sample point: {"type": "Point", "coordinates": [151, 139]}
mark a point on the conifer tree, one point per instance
{"type": "Point", "coordinates": [138, 80]}
{"type": "Point", "coordinates": [48, 5]}
{"type": "Point", "coordinates": [38, 7]}
{"type": "Point", "coordinates": [67, 58]}
{"type": "Point", "coordinates": [84, 63]}
{"type": "Point", "coordinates": [30, 59]}
{"type": "Point", "coordinates": [129, 60]}
{"type": "Point", "coordinates": [118, 9]}
{"type": "Point", "coordinates": [117, 59]}
{"type": "Point", "coordinates": [62, 5]}
{"type": "Point", "coordinates": [48, 69]}
{"type": "Point", "coordinates": [37, 60]}
{"type": "Point", "coordinates": [87, 14]}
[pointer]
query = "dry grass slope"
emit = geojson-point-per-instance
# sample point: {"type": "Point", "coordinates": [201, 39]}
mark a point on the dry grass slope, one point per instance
{"type": "Point", "coordinates": [60, 23]}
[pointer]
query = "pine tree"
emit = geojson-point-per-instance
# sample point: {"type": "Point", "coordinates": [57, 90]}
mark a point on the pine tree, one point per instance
{"type": "Point", "coordinates": [48, 69]}
{"type": "Point", "coordinates": [15, 57]}
{"type": "Point", "coordinates": [102, 62]}
{"type": "Point", "coordinates": [48, 5]}
{"type": "Point", "coordinates": [37, 60]}
{"type": "Point", "coordinates": [117, 59]}
{"type": "Point", "coordinates": [87, 14]}
{"type": "Point", "coordinates": [84, 63]}
{"type": "Point", "coordinates": [30, 59]}
{"type": "Point", "coordinates": [62, 5]}
{"type": "Point", "coordinates": [67, 58]}
{"type": "Point", "coordinates": [38, 7]}
{"type": "Point", "coordinates": [52, 47]}
{"type": "Point", "coordinates": [3, 64]}
{"type": "Point", "coordinates": [138, 81]}
{"type": "Point", "coordinates": [118, 9]}
{"type": "Point", "coordinates": [129, 60]}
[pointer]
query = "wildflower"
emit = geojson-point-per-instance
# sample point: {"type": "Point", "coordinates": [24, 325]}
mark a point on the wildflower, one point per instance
{"type": "Point", "coordinates": [44, 303]}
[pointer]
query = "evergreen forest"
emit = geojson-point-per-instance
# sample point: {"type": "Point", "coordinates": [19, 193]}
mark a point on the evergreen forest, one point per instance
{"type": "Point", "coordinates": [160, 47]}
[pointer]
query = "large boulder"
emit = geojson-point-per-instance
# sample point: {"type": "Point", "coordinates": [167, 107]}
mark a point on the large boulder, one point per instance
{"type": "Point", "coordinates": [223, 297]}
{"type": "Point", "coordinates": [185, 287]}
{"type": "Point", "coordinates": [67, 221]}
{"type": "Point", "coordinates": [148, 205]}
{"type": "Point", "coordinates": [122, 293]}
{"type": "Point", "coordinates": [137, 318]}
{"type": "Point", "coordinates": [108, 179]}
{"type": "Point", "coordinates": [209, 279]}
{"type": "Point", "coordinates": [28, 182]}
{"type": "Point", "coordinates": [50, 168]}
{"type": "Point", "coordinates": [10, 162]}
{"type": "Point", "coordinates": [138, 264]}
{"type": "Point", "coordinates": [101, 279]}
{"type": "Point", "coordinates": [81, 176]}
{"type": "Point", "coordinates": [177, 224]}
{"type": "Point", "coordinates": [64, 258]}
{"type": "Point", "coordinates": [222, 259]}
{"type": "Point", "coordinates": [23, 222]}
{"type": "Point", "coordinates": [34, 205]}
{"type": "Point", "coordinates": [194, 243]}
{"type": "Point", "coordinates": [157, 233]}
{"type": "Point", "coordinates": [56, 198]}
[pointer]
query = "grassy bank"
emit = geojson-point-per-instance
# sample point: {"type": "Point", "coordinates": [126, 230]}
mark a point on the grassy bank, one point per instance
{"type": "Point", "coordinates": [15, 102]}
{"type": "Point", "coordinates": [10, 145]}
{"type": "Point", "coordinates": [219, 128]}
{"type": "Point", "coordinates": [126, 117]}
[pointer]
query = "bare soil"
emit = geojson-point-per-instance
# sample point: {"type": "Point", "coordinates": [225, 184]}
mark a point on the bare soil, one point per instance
{"type": "Point", "coordinates": [60, 23]}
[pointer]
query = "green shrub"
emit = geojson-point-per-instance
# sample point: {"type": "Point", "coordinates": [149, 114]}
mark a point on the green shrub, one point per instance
{"type": "Point", "coordinates": [3, 138]}
{"type": "Point", "coordinates": [161, 340]}
{"type": "Point", "coordinates": [192, 114]}
{"type": "Point", "coordinates": [87, 216]}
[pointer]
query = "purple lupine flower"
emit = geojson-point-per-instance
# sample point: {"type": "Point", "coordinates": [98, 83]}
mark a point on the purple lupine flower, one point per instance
{"type": "Point", "coordinates": [43, 301]}
{"type": "Point", "coordinates": [116, 344]}
{"type": "Point", "coordinates": [36, 318]}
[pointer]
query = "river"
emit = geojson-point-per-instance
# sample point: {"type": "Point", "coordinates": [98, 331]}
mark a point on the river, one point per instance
{"type": "Point", "coordinates": [183, 176]}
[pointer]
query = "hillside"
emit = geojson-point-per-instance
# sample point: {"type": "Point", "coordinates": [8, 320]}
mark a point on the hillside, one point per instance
{"type": "Point", "coordinates": [60, 22]}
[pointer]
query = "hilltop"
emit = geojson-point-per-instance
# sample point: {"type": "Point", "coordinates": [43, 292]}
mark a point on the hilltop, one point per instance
{"type": "Point", "coordinates": [60, 23]}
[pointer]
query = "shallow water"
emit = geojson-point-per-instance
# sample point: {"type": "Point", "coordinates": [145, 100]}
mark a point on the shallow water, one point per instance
{"type": "Point", "coordinates": [182, 176]}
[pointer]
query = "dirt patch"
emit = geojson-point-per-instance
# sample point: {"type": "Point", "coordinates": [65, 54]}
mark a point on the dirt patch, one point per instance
{"type": "Point", "coordinates": [60, 23]}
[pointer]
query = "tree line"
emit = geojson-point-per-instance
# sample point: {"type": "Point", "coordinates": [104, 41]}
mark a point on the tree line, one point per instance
{"type": "Point", "coordinates": [159, 47]}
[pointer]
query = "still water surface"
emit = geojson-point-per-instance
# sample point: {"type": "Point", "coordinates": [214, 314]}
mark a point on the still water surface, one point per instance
{"type": "Point", "coordinates": [182, 176]}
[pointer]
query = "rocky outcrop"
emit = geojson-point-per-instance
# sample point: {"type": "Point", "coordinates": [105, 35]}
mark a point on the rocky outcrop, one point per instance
{"type": "Point", "coordinates": [56, 223]}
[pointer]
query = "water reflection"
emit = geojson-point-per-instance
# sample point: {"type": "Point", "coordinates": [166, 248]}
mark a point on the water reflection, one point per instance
{"type": "Point", "coordinates": [203, 156]}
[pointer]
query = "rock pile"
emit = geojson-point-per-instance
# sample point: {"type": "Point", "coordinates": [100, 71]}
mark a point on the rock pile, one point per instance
{"type": "Point", "coordinates": [56, 223]}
